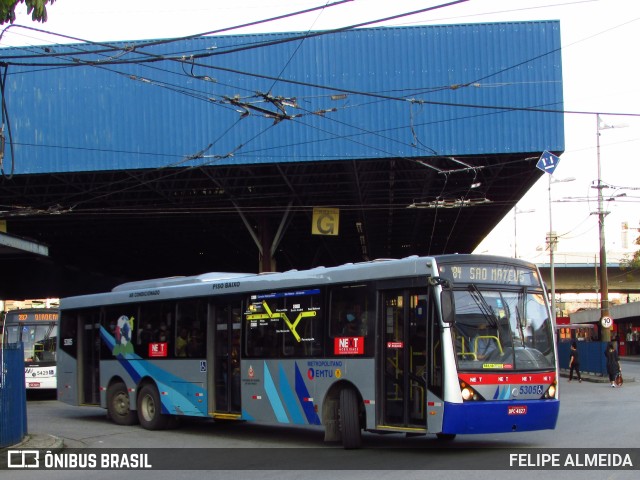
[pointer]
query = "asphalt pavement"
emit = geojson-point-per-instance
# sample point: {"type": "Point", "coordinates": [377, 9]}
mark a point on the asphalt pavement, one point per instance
{"type": "Point", "coordinates": [51, 442]}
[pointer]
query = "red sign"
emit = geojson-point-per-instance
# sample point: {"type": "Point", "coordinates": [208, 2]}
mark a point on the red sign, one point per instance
{"type": "Point", "coordinates": [34, 384]}
{"type": "Point", "coordinates": [517, 410]}
{"type": "Point", "coordinates": [158, 349]}
{"type": "Point", "coordinates": [395, 344]}
{"type": "Point", "coordinates": [348, 346]}
{"type": "Point", "coordinates": [511, 378]}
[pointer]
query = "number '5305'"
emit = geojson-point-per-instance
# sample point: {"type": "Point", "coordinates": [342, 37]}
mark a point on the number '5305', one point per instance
{"type": "Point", "coordinates": [531, 390]}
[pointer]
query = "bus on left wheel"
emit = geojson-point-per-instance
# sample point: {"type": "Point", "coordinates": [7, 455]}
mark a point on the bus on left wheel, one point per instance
{"type": "Point", "coordinates": [37, 330]}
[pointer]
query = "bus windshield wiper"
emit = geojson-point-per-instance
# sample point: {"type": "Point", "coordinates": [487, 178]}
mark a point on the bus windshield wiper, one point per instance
{"type": "Point", "coordinates": [519, 322]}
{"type": "Point", "coordinates": [484, 307]}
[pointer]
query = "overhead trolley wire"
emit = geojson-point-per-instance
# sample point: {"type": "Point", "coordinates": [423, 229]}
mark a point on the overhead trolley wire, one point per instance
{"type": "Point", "coordinates": [147, 57]}
{"type": "Point", "coordinates": [109, 47]}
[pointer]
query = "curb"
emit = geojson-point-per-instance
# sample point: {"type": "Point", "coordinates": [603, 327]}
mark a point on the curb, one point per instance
{"type": "Point", "coordinates": [594, 378]}
{"type": "Point", "coordinates": [38, 441]}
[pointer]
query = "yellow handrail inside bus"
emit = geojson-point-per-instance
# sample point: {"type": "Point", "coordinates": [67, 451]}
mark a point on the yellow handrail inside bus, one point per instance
{"type": "Point", "coordinates": [468, 354]}
{"type": "Point", "coordinates": [490, 338]}
{"type": "Point", "coordinates": [463, 353]}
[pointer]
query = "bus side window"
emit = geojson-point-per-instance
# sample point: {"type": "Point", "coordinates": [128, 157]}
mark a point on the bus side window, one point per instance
{"type": "Point", "coordinates": [190, 318]}
{"type": "Point", "coordinates": [156, 330]}
{"type": "Point", "coordinates": [351, 314]}
{"type": "Point", "coordinates": [285, 326]}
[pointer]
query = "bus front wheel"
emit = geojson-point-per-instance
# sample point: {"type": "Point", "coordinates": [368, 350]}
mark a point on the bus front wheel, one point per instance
{"type": "Point", "coordinates": [150, 409]}
{"type": "Point", "coordinates": [349, 417]}
{"type": "Point", "coordinates": [118, 405]}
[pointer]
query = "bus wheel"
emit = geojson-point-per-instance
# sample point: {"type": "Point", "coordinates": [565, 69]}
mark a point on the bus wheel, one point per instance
{"type": "Point", "coordinates": [349, 418]}
{"type": "Point", "coordinates": [150, 409]}
{"type": "Point", "coordinates": [118, 405]}
{"type": "Point", "coordinates": [445, 437]}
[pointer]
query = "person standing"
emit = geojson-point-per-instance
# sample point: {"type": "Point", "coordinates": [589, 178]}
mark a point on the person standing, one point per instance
{"type": "Point", "coordinates": [574, 362]}
{"type": "Point", "coordinates": [613, 364]}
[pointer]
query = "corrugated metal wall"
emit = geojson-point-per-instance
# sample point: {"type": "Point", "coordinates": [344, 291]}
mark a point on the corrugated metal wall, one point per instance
{"type": "Point", "coordinates": [106, 115]}
{"type": "Point", "coordinates": [13, 401]}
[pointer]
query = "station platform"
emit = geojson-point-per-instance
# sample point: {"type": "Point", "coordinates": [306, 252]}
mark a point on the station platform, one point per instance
{"type": "Point", "coordinates": [595, 378]}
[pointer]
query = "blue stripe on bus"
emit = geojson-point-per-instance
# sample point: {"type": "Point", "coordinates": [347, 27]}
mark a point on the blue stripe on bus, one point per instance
{"type": "Point", "coordinates": [303, 396]}
{"type": "Point", "coordinates": [503, 392]}
{"type": "Point", "coordinates": [140, 368]}
{"type": "Point", "coordinates": [247, 416]}
{"type": "Point", "coordinates": [290, 399]}
{"type": "Point", "coordinates": [274, 398]}
{"type": "Point", "coordinates": [493, 417]}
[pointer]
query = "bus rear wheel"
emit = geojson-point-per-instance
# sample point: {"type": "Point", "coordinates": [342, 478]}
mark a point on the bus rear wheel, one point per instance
{"type": "Point", "coordinates": [150, 409]}
{"type": "Point", "coordinates": [118, 405]}
{"type": "Point", "coordinates": [349, 418]}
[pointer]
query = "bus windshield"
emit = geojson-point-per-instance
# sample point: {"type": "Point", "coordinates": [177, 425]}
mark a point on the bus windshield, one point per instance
{"type": "Point", "coordinates": [39, 341]}
{"type": "Point", "coordinates": [502, 330]}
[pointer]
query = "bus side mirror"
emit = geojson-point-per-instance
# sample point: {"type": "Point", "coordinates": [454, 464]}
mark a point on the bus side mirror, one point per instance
{"type": "Point", "coordinates": [448, 306]}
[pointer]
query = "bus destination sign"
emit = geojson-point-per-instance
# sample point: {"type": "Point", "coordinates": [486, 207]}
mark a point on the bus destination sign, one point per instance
{"type": "Point", "coordinates": [490, 273]}
{"type": "Point", "coordinates": [34, 316]}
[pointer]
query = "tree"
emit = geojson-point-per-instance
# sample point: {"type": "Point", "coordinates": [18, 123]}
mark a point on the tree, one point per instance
{"type": "Point", "coordinates": [632, 261]}
{"type": "Point", "coordinates": [37, 9]}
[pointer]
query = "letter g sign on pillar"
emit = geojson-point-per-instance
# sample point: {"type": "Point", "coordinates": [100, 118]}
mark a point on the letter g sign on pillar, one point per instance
{"type": "Point", "coordinates": [325, 221]}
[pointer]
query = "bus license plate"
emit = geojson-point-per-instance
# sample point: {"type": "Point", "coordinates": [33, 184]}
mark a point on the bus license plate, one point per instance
{"type": "Point", "coordinates": [34, 384]}
{"type": "Point", "coordinates": [517, 410]}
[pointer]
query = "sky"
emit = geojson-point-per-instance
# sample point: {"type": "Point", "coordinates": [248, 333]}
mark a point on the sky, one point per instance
{"type": "Point", "coordinates": [600, 72]}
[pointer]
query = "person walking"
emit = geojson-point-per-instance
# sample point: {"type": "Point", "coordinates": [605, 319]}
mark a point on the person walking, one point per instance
{"type": "Point", "coordinates": [574, 362]}
{"type": "Point", "coordinates": [613, 364]}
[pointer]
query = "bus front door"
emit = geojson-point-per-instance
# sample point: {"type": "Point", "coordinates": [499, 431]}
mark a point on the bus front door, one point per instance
{"type": "Point", "coordinates": [405, 369]}
{"type": "Point", "coordinates": [226, 360]}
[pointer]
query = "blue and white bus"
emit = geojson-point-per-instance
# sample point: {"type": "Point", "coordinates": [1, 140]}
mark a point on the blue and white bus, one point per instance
{"type": "Point", "coordinates": [36, 329]}
{"type": "Point", "coordinates": [444, 345]}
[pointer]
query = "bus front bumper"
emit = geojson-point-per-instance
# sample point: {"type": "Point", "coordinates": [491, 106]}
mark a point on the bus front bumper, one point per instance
{"type": "Point", "coordinates": [500, 416]}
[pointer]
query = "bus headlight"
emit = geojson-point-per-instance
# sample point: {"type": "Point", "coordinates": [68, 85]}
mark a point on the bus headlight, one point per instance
{"type": "Point", "coordinates": [467, 393]}
{"type": "Point", "coordinates": [551, 391]}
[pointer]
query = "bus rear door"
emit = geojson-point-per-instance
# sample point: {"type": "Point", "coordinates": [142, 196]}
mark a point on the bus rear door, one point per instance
{"type": "Point", "coordinates": [226, 318]}
{"type": "Point", "coordinates": [79, 357]}
{"type": "Point", "coordinates": [89, 358]}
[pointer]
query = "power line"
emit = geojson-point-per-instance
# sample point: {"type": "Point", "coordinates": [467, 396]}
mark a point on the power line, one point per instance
{"type": "Point", "coordinates": [110, 47]}
{"type": "Point", "coordinates": [149, 57]}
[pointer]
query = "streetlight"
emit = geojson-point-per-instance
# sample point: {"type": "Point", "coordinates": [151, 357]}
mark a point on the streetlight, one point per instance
{"type": "Point", "coordinates": [553, 239]}
{"type": "Point", "coordinates": [604, 281]}
{"type": "Point", "coordinates": [515, 228]}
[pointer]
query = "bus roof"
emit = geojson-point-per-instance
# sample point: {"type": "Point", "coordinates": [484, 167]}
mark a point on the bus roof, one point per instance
{"type": "Point", "coordinates": [173, 281]}
{"type": "Point", "coordinates": [216, 283]}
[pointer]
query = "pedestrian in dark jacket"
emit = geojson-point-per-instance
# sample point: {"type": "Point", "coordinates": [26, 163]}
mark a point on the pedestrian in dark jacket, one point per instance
{"type": "Point", "coordinates": [574, 362]}
{"type": "Point", "coordinates": [613, 364]}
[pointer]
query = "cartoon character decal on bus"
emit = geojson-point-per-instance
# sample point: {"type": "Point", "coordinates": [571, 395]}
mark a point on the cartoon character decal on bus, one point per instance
{"type": "Point", "coordinates": [123, 344]}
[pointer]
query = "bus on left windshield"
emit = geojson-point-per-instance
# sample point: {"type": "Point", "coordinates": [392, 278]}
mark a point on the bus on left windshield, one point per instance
{"type": "Point", "coordinates": [37, 330]}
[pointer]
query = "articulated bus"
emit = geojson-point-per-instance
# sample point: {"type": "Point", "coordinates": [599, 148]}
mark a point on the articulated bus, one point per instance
{"type": "Point", "coordinates": [443, 345]}
{"type": "Point", "coordinates": [37, 329]}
